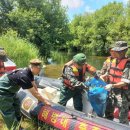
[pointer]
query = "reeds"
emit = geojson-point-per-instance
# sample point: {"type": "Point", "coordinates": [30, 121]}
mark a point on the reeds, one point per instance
{"type": "Point", "coordinates": [18, 49]}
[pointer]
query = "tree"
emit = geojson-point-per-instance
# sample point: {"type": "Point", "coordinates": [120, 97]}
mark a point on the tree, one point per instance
{"type": "Point", "coordinates": [5, 7]}
{"type": "Point", "coordinates": [42, 22]}
{"type": "Point", "coordinates": [95, 32]}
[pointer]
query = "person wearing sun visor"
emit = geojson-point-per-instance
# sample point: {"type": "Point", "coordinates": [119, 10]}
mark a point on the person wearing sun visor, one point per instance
{"type": "Point", "coordinates": [73, 78]}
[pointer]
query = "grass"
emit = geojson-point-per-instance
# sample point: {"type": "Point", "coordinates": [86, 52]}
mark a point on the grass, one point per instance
{"type": "Point", "coordinates": [28, 125]}
{"type": "Point", "coordinates": [1, 124]}
{"type": "Point", "coordinates": [21, 51]}
{"type": "Point", "coordinates": [18, 49]}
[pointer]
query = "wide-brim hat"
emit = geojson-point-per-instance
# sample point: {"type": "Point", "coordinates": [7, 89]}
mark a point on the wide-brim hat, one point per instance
{"type": "Point", "coordinates": [120, 46]}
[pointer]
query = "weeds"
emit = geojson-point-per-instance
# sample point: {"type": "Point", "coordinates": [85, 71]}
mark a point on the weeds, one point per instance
{"type": "Point", "coordinates": [18, 49]}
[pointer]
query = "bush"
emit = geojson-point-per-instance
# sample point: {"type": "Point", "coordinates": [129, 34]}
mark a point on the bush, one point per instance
{"type": "Point", "coordinates": [18, 49]}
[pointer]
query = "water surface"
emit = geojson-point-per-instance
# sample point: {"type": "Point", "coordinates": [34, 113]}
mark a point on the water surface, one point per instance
{"type": "Point", "coordinates": [56, 62]}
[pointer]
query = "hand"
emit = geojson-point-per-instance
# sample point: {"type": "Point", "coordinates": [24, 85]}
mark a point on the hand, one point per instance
{"type": "Point", "coordinates": [84, 86]}
{"type": "Point", "coordinates": [81, 85]}
{"type": "Point", "coordinates": [47, 103]}
{"type": "Point", "coordinates": [96, 77]}
{"type": "Point", "coordinates": [97, 74]}
{"type": "Point", "coordinates": [104, 77]}
{"type": "Point", "coordinates": [108, 87]}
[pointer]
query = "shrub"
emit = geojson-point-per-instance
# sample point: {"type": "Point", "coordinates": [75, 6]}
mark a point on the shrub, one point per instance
{"type": "Point", "coordinates": [18, 49]}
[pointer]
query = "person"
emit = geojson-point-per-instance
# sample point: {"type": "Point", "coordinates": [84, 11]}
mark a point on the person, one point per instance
{"type": "Point", "coordinates": [106, 65]}
{"type": "Point", "coordinates": [73, 78]}
{"type": "Point", "coordinates": [107, 62]}
{"type": "Point", "coordinates": [10, 83]}
{"type": "Point", "coordinates": [2, 60]}
{"type": "Point", "coordinates": [118, 83]}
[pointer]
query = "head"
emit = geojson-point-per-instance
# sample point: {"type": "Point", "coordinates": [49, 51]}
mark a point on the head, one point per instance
{"type": "Point", "coordinates": [112, 53]}
{"type": "Point", "coordinates": [79, 58]}
{"type": "Point", "coordinates": [36, 66]}
{"type": "Point", "coordinates": [3, 56]}
{"type": "Point", "coordinates": [120, 48]}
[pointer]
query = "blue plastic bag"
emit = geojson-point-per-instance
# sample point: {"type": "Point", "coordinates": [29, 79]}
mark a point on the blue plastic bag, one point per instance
{"type": "Point", "coordinates": [97, 95]}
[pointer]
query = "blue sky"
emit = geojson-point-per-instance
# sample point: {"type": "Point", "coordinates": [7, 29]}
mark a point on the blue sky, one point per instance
{"type": "Point", "coordinates": [81, 6]}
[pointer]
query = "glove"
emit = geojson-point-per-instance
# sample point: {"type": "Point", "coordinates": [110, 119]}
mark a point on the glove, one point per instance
{"type": "Point", "coordinates": [108, 87]}
{"type": "Point", "coordinates": [81, 85]}
{"type": "Point", "coordinates": [97, 74]}
{"type": "Point", "coordinates": [96, 77]}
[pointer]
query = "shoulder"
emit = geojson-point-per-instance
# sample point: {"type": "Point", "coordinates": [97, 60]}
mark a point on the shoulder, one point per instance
{"type": "Point", "coordinates": [23, 70]}
{"type": "Point", "coordinates": [27, 72]}
{"type": "Point", "coordinates": [69, 68]}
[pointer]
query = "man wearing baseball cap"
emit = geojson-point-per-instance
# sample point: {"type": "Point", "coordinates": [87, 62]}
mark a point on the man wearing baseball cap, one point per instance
{"type": "Point", "coordinates": [10, 84]}
{"type": "Point", "coordinates": [73, 78]}
{"type": "Point", "coordinates": [118, 83]}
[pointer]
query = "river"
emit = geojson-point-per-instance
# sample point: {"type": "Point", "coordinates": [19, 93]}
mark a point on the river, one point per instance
{"type": "Point", "coordinates": [56, 62]}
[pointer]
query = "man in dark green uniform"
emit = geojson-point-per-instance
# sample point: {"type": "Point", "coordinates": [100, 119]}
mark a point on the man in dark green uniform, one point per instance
{"type": "Point", "coordinates": [73, 78]}
{"type": "Point", "coordinates": [10, 84]}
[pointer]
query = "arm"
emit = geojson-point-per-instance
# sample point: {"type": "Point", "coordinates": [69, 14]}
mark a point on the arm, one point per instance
{"type": "Point", "coordinates": [108, 87]}
{"type": "Point", "coordinates": [34, 85]}
{"type": "Point", "coordinates": [71, 77]}
{"type": "Point", "coordinates": [104, 72]}
{"type": "Point", "coordinates": [91, 69]}
{"type": "Point", "coordinates": [104, 75]}
{"type": "Point", "coordinates": [125, 80]}
{"type": "Point", "coordinates": [119, 85]}
{"type": "Point", "coordinates": [104, 68]}
{"type": "Point", "coordinates": [37, 95]}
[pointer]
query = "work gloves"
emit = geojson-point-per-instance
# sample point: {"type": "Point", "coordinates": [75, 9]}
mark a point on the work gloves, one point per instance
{"type": "Point", "coordinates": [108, 87]}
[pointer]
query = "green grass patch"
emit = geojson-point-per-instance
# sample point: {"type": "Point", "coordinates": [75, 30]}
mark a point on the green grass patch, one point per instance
{"type": "Point", "coordinates": [18, 49]}
{"type": "Point", "coordinates": [28, 125]}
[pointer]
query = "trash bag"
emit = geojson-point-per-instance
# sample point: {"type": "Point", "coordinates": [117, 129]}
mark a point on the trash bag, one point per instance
{"type": "Point", "coordinates": [97, 95]}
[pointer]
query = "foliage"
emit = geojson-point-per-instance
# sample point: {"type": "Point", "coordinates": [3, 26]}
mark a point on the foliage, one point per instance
{"type": "Point", "coordinates": [20, 50]}
{"type": "Point", "coordinates": [45, 24]}
{"type": "Point", "coordinates": [95, 32]}
{"type": "Point", "coordinates": [42, 22]}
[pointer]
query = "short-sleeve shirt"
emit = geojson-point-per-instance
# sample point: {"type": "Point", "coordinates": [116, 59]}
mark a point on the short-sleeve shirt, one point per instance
{"type": "Point", "coordinates": [22, 77]}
